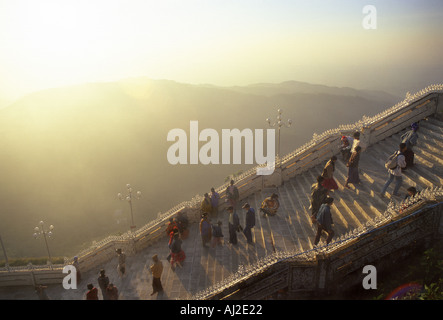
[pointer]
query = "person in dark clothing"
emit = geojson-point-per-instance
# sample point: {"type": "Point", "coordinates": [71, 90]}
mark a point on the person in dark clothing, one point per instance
{"type": "Point", "coordinates": [233, 225]}
{"type": "Point", "coordinates": [112, 292]}
{"type": "Point", "coordinates": [76, 264]}
{"type": "Point", "coordinates": [352, 165]}
{"type": "Point", "coordinates": [177, 254]}
{"type": "Point", "coordinates": [40, 291]}
{"type": "Point", "coordinates": [217, 234]}
{"type": "Point", "coordinates": [413, 195]}
{"type": "Point", "coordinates": [103, 282]}
{"type": "Point", "coordinates": [325, 222]}
{"type": "Point", "coordinates": [92, 293]}
{"type": "Point", "coordinates": [182, 224]}
{"type": "Point", "coordinates": [121, 267]}
{"type": "Point", "coordinates": [215, 198]}
{"type": "Point", "coordinates": [205, 230]}
{"type": "Point", "coordinates": [410, 140]}
{"type": "Point", "coordinates": [249, 222]}
{"type": "Point", "coordinates": [318, 196]}
{"type": "Point", "coordinates": [156, 270]}
{"type": "Point", "coordinates": [232, 195]}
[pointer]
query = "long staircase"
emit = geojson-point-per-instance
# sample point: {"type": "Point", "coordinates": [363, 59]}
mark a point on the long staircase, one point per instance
{"type": "Point", "coordinates": [290, 230]}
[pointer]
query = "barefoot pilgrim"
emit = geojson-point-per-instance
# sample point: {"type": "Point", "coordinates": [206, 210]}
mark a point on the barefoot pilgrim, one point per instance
{"type": "Point", "coordinates": [209, 153]}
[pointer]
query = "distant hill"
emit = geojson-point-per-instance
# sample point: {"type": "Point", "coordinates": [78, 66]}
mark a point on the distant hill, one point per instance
{"type": "Point", "coordinates": [67, 152]}
{"type": "Point", "coordinates": [295, 87]}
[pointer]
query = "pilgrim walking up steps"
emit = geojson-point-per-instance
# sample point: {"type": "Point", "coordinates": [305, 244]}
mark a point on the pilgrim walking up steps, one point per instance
{"type": "Point", "coordinates": [249, 222]}
{"type": "Point", "coordinates": [217, 234]}
{"type": "Point", "coordinates": [318, 195]}
{"type": "Point", "coordinates": [177, 253]}
{"type": "Point", "coordinates": [410, 138]}
{"type": "Point", "coordinates": [328, 174]}
{"type": "Point", "coordinates": [121, 267]}
{"type": "Point", "coordinates": [353, 176]}
{"type": "Point", "coordinates": [156, 271]}
{"type": "Point", "coordinates": [103, 282]}
{"type": "Point", "coordinates": [394, 165]}
{"type": "Point", "coordinates": [234, 226]}
{"type": "Point", "coordinates": [215, 198]}
{"type": "Point", "coordinates": [112, 292]}
{"type": "Point", "coordinates": [206, 205]}
{"type": "Point", "coordinates": [324, 221]}
{"type": "Point", "coordinates": [357, 142]}
{"type": "Point", "coordinates": [205, 230]}
{"type": "Point", "coordinates": [232, 195]}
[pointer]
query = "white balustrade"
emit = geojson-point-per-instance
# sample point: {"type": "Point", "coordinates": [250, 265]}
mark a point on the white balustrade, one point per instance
{"type": "Point", "coordinates": [261, 265]}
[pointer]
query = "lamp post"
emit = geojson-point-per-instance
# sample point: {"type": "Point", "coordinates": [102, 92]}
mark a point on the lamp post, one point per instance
{"type": "Point", "coordinates": [279, 123]}
{"type": "Point", "coordinates": [129, 198]}
{"type": "Point", "coordinates": [46, 234]}
{"type": "Point", "coordinates": [4, 252]}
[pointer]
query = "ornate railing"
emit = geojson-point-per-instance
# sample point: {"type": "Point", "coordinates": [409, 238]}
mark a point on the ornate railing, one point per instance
{"type": "Point", "coordinates": [246, 182]}
{"type": "Point", "coordinates": [392, 212]}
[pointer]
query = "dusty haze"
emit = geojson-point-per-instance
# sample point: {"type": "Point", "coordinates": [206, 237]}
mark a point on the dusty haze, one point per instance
{"type": "Point", "coordinates": [67, 152]}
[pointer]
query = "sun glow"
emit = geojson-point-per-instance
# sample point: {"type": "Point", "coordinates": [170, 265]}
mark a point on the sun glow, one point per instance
{"type": "Point", "coordinates": [53, 43]}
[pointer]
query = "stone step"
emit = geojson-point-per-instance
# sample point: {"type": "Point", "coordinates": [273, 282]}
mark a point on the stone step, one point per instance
{"type": "Point", "coordinates": [287, 208]}
{"type": "Point", "coordinates": [302, 215]}
{"type": "Point", "coordinates": [435, 122]}
{"type": "Point", "coordinates": [435, 126]}
{"type": "Point", "coordinates": [362, 190]}
{"type": "Point", "coordinates": [431, 136]}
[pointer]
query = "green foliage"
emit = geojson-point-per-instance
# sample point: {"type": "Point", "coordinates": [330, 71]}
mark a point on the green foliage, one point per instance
{"type": "Point", "coordinates": [432, 292]}
{"type": "Point", "coordinates": [381, 296]}
{"type": "Point", "coordinates": [425, 268]}
{"type": "Point", "coordinates": [430, 268]}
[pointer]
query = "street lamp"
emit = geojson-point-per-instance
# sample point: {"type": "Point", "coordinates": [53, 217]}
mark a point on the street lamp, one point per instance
{"type": "Point", "coordinates": [41, 231]}
{"type": "Point", "coordinates": [279, 123]}
{"type": "Point", "coordinates": [4, 252]}
{"type": "Point", "coordinates": [129, 198]}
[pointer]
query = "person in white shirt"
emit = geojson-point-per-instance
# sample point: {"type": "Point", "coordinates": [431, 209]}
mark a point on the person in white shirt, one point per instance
{"type": "Point", "coordinates": [357, 142]}
{"type": "Point", "coordinates": [396, 173]}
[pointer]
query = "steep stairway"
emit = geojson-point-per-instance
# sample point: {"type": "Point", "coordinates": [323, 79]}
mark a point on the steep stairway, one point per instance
{"type": "Point", "coordinates": [290, 230]}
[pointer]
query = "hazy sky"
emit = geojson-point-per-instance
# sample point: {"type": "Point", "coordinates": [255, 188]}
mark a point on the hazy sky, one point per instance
{"type": "Point", "coordinates": [51, 43]}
